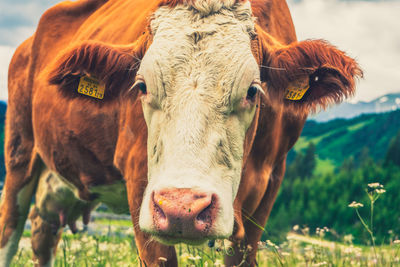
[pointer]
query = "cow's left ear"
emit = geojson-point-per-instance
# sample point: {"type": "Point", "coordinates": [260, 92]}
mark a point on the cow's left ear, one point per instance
{"type": "Point", "coordinates": [310, 74]}
{"type": "Point", "coordinates": [112, 68]}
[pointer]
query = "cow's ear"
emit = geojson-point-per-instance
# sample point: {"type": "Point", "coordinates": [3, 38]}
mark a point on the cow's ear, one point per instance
{"type": "Point", "coordinates": [111, 68]}
{"type": "Point", "coordinates": [310, 74]}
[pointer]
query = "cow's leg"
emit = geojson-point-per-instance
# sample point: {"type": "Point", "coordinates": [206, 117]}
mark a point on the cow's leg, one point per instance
{"type": "Point", "coordinates": [23, 167]}
{"type": "Point", "coordinates": [45, 237]}
{"type": "Point", "coordinates": [20, 183]}
{"type": "Point", "coordinates": [245, 252]}
{"type": "Point", "coordinates": [21, 161]}
{"type": "Point", "coordinates": [151, 252]}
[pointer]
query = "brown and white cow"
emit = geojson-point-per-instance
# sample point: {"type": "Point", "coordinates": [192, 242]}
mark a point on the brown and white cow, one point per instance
{"type": "Point", "coordinates": [202, 101]}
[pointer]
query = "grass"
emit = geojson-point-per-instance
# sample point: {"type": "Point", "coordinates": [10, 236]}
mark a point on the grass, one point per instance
{"type": "Point", "coordinates": [114, 222]}
{"type": "Point", "coordinates": [85, 250]}
{"type": "Point", "coordinates": [359, 125]}
{"type": "Point", "coordinates": [299, 250]}
{"type": "Point", "coordinates": [324, 166]}
{"type": "Point", "coordinates": [115, 246]}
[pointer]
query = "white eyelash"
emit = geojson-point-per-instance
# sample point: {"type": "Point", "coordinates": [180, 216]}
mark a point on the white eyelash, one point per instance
{"type": "Point", "coordinates": [257, 84]}
{"type": "Point", "coordinates": [138, 79]}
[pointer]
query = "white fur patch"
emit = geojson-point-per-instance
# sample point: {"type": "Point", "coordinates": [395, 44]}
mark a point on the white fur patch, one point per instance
{"type": "Point", "coordinates": [8, 251]}
{"type": "Point", "coordinates": [198, 70]}
{"type": "Point", "coordinates": [50, 263]}
{"type": "Point", "coordinates": [23, 200]}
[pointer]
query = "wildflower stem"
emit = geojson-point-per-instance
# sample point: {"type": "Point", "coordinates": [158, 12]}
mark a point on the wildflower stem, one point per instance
{"type": "Point", "coordinates": [372, 222]}
{"type": "Point", "coordinates": [278, 255]}
{"type": "Point", "coordinates": [363, 223]}
{"type": "Point", "coordinates": [372, 228]}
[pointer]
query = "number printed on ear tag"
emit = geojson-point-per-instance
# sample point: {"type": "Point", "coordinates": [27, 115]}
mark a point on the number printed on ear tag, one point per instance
{"type": "Point", "coordinates": [91, 87]}
{"type": "Point", "coordinates": [296, 90]}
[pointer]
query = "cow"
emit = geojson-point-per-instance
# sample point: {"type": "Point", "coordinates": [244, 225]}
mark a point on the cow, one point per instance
{"type": "Point", "coordinates": [181, 112]}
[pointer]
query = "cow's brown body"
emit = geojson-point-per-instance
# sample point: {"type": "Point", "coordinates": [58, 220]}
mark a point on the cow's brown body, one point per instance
{"type": "Point", "coordinates": [92, 144]}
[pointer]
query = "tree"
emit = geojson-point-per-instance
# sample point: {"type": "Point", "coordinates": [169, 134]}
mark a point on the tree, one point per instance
{"type": "Point", "coordinates": [303, 164]}
{"type": "Point", "coordinates": [393, 152]}
{"type": "Point", "coordinates": [309, 161]}
{"type": "Point", "coordinates": [348, 165]}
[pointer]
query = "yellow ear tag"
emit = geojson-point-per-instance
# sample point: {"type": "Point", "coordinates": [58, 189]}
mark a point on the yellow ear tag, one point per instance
{"type": "Point", "coordinates": [91, 87]}
{"type": "Point", "coordinates": [296, 90]}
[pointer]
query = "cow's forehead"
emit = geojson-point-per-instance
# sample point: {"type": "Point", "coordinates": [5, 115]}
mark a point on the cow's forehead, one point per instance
{"type": "Point", "coordinates": [203, 14]}
{"type": "Point", "coordinates": [193, 49]}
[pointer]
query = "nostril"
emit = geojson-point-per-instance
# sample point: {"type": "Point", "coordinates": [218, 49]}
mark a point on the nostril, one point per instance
{"type": "Point", "coordinates": [205, 218]}
{"type": "Point", "coordinates": [199, 196]}
{"type": "Point", "coordinates": [205, 215]}
{"type": "Point", "coordinates": [158, 211]}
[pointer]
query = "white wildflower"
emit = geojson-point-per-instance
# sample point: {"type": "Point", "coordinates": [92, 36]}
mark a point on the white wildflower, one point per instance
{"type": "Point", "coordinates": [162, 259]}
{"type": "Point", "coordinates": [355, 205]}
{"type": "Point", "coordinates": [324, 263]}
{"type": "Point", "coordinates": [218, 263]}
{"type": "Point", "coordinates": [103, 246]}
{"type": "Point", "coordinates": [194, 258]}
{"type": "Point", "coordinates": [348, 238]}
{"type": "Point", "coordinates": [306, 231]}
{"type": "Point", "coordinates": [375, 185]}
{"type": "Point", "coordinates": [380, 191]}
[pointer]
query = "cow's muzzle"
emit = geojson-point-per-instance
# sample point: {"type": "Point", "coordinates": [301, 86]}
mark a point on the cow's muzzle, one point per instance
{"type": "Point", "coordinates": [183, 213]}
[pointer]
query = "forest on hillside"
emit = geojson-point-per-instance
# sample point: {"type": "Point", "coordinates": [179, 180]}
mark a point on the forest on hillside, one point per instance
{"type": "Point", "coordinates": [314, 200]}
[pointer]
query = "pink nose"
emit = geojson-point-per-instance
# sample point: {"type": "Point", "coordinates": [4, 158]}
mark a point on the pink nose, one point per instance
{"type": "Point", "coordinates": [183, 212]}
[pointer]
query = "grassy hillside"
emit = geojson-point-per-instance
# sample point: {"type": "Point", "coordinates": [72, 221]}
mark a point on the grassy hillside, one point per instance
{"type": "Point", "coordinates": [329, 168]}
{"type": "Point", "coordinates": [339, 139]}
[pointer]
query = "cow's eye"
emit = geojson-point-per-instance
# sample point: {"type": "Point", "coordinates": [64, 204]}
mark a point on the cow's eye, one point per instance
{"type": "Point", "coordinates": [142, 87]}
{"type": "Point", "coordinates": [140, 84]}
{"type": "Point", "coordinates": [252, 91]}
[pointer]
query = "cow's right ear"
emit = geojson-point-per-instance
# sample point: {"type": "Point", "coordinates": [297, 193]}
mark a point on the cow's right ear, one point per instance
{"type": "Point", "coordinates": [114, 67]}
{"type": "Point", "coordinates": [307, 75]}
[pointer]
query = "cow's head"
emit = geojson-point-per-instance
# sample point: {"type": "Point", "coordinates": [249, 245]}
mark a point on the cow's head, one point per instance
{"type": "Point", "coordinates": [202, 73]}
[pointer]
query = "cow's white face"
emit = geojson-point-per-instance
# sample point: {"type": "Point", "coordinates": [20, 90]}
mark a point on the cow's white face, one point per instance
{"type": "Point", "coordinates": [198, 72]}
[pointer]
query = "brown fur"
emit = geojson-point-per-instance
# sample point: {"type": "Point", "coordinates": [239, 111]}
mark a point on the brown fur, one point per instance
{"type": "Point", "coordinates": [100, 142]}
{"type": "Point", "coordinates": [174, 3]}
{"type": "Point", "coordinates": [116, 66]}
{"type": "Point", "coordinates": [313, 59]}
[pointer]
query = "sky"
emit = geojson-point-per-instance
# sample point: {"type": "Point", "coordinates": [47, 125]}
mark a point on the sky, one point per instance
{"type": "Point", "coordinates": [367, 30]}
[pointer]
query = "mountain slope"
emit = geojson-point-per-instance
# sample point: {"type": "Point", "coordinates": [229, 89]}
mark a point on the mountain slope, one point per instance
{"type": "Point", "coordinates": [339, 139]}
{"type": "Point", "coordinates": [347, 110]}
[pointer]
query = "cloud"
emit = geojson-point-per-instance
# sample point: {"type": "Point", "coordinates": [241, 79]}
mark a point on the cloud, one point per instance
{"type": "Point", "coordinates": [18, 19]}
{"type": "Point", "coordinates": [6, 53]}
{"type": "Point", "coordinates": [366, 30]}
